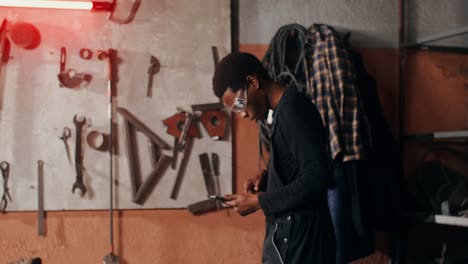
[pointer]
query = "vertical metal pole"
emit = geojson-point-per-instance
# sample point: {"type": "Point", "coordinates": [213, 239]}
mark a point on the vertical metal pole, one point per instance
{"type": "Point", "coordinates": [40, 198]}
{"type": "Point", "coordinates": [111, 56]}
{"type": "Point", "coordinates": [234, 25]}
{"type": "Point", "coordinates": [398, 236]}
{"type": "Point", "coordinates": [402, 43]}
{"type": "Point", "coordinates": [111, 148]}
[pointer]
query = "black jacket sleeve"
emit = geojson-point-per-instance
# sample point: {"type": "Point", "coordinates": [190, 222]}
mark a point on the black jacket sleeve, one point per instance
{"type": "Point", "coordinates": [300, 124]}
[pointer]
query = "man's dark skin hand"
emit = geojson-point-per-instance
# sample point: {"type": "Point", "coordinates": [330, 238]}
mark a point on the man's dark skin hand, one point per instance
{"type": "Point", "coordinates": [246, 203]}
{"type": "Point", "coordinates": [252, 185]}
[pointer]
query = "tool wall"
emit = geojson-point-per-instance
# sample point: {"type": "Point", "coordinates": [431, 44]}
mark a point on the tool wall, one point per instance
{"type": "Point", "coordinates": [55, 75]}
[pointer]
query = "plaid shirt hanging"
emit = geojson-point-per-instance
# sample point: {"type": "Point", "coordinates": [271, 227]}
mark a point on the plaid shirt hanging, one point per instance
{"type": "Point", "coordinates": [332, 87]}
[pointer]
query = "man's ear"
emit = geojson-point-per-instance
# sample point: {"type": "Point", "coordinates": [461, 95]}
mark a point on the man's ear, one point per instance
{"type": "Point", "coordinates": [253, 82]}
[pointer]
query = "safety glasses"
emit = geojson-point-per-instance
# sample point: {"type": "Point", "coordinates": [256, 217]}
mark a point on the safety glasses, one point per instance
{"type": "Point", "coordinates": [240, 102]}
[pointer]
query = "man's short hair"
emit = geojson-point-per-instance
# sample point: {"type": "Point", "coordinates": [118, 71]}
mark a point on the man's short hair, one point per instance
{"type": "Point", "coordinates": [232, 71]}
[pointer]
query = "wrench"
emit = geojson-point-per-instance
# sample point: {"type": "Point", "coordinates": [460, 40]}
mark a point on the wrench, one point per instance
{"type": "Point", "coordinates": [79, 156]}
{"type": "Point", "coordinates": [66, 134]}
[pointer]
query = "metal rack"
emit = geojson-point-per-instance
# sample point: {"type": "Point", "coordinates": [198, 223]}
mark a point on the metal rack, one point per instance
{"type": "Point", "coordinates": [459, 136]}
{"type": "Point", "coordinates": [447, 220]}
{"type": "Point", "coordinates": [439, 36]}
{"type": "Point", "coordinates": [446, 137]}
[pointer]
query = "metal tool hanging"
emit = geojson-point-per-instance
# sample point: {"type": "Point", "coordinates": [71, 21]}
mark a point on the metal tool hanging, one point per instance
{"type": "Point", "coordinates": [66, 134]}
{"type": "Point", "coordinates": [5, 168]}
{"type": "Point", "coordinates": [211, 178]}
{"type": "Point", "coordinates": [204, 206]}
{"type": "Point", "coordinates": [181, 126]}
{"type": "Point", "coordinates": [211, 174]}
{"type": "Point", "coordinates": [131, 15]}
{"type": "Point", "coordinates": [210, 169]}
{"type": "Point", "coordinates": [5, 56]}
{"type": "Point", "coordinates": [213, 118]}
{"type": "Point", "coordinates": [215, 165]}
{"type": "Point", "coordinates": [214, 122]}
{"type": "Point", "coordinates": [98, 140]}
{"type": "Point", "coordinates": [70, 78]}
{"type": "Point", "coordinates": [111, 258]}
{"type": "Point", "coordinates": [40, 199]}
{"type": "Point", "coordinates": [79, 166]}
{"type": "Point", "coordinates": [187, 150]}
{"type": "Point", "coordinates": [159, 161]}
{"type": "Point", "coordinates": [153, 69]}
{"type": "Point", "coordinates": [5, 44]}
{"type": "Point", "coordinates": [207, 173]}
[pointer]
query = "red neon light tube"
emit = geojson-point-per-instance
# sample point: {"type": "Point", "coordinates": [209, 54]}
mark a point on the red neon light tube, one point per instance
{"type": "Point", "coordinates": [55, 4]}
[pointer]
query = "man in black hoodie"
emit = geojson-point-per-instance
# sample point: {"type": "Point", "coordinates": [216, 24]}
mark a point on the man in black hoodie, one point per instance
{"type": "Point", "coordinates": [292, 193]}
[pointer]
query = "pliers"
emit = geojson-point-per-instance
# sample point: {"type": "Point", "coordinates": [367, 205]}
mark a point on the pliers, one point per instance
{"type": "Point", "coordinates": [5, 168]}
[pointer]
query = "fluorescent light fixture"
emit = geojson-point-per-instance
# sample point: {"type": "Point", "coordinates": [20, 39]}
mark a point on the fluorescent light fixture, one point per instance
{"type": "Point", "coordinates": [55, 4]}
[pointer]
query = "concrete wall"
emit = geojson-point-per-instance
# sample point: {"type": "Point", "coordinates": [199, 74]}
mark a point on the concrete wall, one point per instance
{"type": "Point", "coordinates": [373, 23]}
{"type": "Point", "coordinates": [428, 17]}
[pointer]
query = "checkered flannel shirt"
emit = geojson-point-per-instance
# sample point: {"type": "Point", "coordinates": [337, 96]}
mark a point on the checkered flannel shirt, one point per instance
{"type": "Point", "coordinates": [332, 86]}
